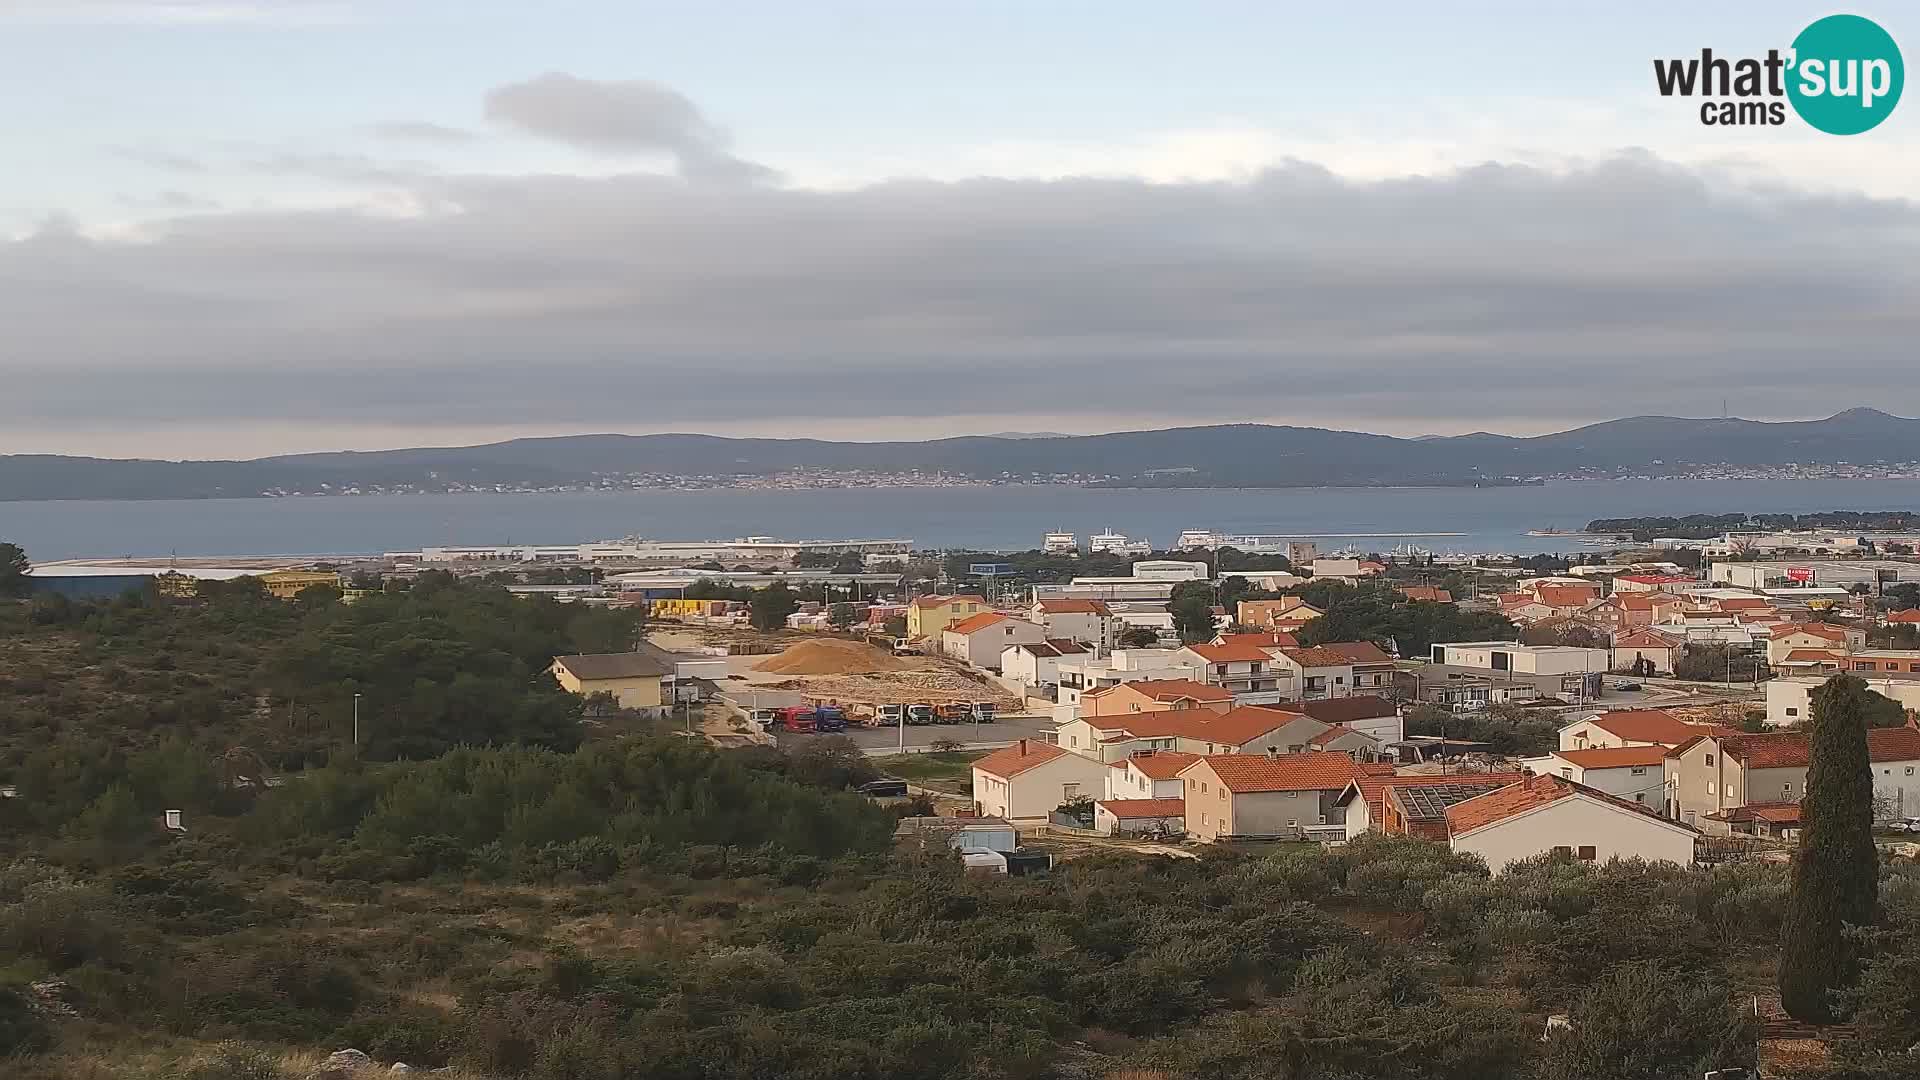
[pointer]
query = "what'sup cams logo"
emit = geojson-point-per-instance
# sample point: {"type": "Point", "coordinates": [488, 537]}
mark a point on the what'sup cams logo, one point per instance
{"type": "Point", "coordinates": [1843, 76]}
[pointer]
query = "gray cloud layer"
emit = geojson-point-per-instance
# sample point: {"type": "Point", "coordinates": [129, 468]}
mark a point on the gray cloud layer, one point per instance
{"type": "Point", "coordinates": [643, 301]}
{"type": "Point", "coordinates": [621, 117]}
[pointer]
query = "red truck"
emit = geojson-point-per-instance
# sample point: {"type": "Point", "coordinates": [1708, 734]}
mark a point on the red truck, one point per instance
{"type": "Point", "coordinates": [798, 718]}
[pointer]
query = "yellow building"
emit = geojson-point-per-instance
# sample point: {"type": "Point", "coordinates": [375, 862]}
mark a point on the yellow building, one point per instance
{"type": "Point", "coordinates": [286, 584]}
{"type": "Point", "coordinates": [929, 616]}
{"type": "Point", "coordinates": [637, 680]}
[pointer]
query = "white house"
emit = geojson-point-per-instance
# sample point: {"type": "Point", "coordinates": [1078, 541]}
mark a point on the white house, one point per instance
{"type": "Point", "coordinates": [1549, 813]}
{"type": "Point", "coordinates": [1790, 699]}
{"type": "Point", "coordinates": [1081, 675]}
{"type": "Point", "coordinates": [1089, 622]}
{"type": "Point", "coordinates": [1522, 659]}
{"type": "Point", "coordinates": [1028, 780]}
{"type": "Point", "coordinates": [1038, 663]}
{"type": "Point", "coordinates": [1634, 773]}
{"type": "Point", "coordinates": [980, 640]}
{"type": "Point", "coordinates": [1148, 774]}
{"type": "Point", "coordinates": [1632, 727]}
{"type": "Point", "coordinates": [1368, 714]}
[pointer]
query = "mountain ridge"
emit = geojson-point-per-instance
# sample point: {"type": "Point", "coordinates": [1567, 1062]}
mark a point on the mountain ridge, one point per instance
{"type": "Point", "coordinates": [1218, 455]}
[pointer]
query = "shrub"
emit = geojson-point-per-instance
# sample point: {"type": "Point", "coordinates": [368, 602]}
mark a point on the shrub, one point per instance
{"type": "Point", "coordinates": [23, 1030]}
{"type": "Point", "coordinates": [235, 1061]}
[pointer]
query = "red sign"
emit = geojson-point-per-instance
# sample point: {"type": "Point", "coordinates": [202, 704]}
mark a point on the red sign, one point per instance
{"type": "Point", "coordinates": [1800, 573]}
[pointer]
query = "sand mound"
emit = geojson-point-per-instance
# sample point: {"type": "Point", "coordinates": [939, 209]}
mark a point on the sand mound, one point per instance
{"type": "Point", "coordinates": [830, 657]}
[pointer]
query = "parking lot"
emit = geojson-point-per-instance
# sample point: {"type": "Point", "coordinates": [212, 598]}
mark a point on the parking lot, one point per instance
{"type": "Point", "coordinates": [1001, 732]}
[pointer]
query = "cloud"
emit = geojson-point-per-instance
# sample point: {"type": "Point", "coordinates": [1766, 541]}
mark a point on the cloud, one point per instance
{"type": "Point", "coordinates": [644, 302]}
{"type": "Point", "coordinates": [632, 117]}
{"type": "Point", "coordinates": [164, 160]}
{"type": "Point", "coordinates": [421, 131]}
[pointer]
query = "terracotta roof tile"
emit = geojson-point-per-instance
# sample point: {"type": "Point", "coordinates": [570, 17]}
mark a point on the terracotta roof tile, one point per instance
{"type": "Point", "coordinates": [1644, 639]}
{"type": "Point", "coordinates": [1010, 761]}
{"type": "Point", "coordinates": [1272, 639]}
{"type": "Point", "coordinates": [1614, 757]}
{"type": "Point", "coordinates": [1344, 710]}
{"type": "Point", "coordinates": [1075, 607]}
{"type": "Point", "coordinates": [1234, 653]}
{"type": "Point", "coordinates": [1236, 727]}
{"type": "Point", "coordinates": [1251, 773]}
{"type": "Point", "coordinates": [1316, 656]}
{"type": "Point", "coordinates": [1536, 791]}
{"type": "Point", "coordinates": [1169, 690]}
{"type": "Point", "coordinates": [1373, 788]}
{"type": "Point", "coordinates": [1650, 726]}
{"type": "Point", "coordinates": [1911, 615]}
{"type": "Point", "coordinates": [1822, 630]}
{"type": "Point", "coordinates": [1358, 652]}
{"type": "Point", "coordinates": [1135, 809]}
{"type": "Point", "coordinates": [1160, 764]}
{"type": "Point", "coordinates": [943, 601]}
{"type": "Point", "coordinates": [975, 623]}
{"type": "Point", "coordinates": [1427, 593]}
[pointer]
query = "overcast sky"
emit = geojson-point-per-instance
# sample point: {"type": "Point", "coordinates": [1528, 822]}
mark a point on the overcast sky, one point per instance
{"type": "Point", "coordinates": [236, 227]}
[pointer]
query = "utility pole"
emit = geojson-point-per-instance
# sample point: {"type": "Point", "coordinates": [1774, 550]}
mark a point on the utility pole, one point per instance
{"type": "Point", "coordinates": [356, 724]}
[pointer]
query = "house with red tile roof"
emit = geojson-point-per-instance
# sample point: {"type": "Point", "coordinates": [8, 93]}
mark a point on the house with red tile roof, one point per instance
{"type": "Point", "coordinates": [1273, 639]}
{"type": "Point", "coordinates": [1813, 635]}
{"type": "Point", "coordinates": [1260, 795]}
{"type": "Point", "coordinates": [1631, 727]}
{"type": "Point", "coordinates": [1909, 617]}
{"type": "Point", "coordinates": [1549, 813]}
{"type": "Point", "coordinates": [1369, 714]}
{"type": "Point", "coordinates": [1645, 651]}
{"type": "Point", "coordinates": [1154, 695]}
{"type": "Point", "coordinates": [1028, 780]}
{"type": "Point", "coordinates": [1779, 819]}
{"type": "Point", "coordinates": [1623, 611]}
{"type": "Point", "coordinates": [1637, 774]}
{"type": "Point", "coordinates": [1373, 669]}
{"type": "Point", "coordinates": [927, 616]}
{"type": "Point", "coordinates": [1148, 774]}
{"type": "Point", "coordinates": [1651, 583]}
{"type": "Point", "coordinates": [1370, 802]}
{"type": "Point", "coordinates": [1247, 670]}
{"type": "Point", "coordinates": [1711, 773]}
{"type": "Point", "coordinates": [1120, 817]}
{"type": "Point", "coordinates": [1316, 671]}
{"type": "Point", "coordinates": [1035, 664]}
{"type": "Point", "coordinates": [980, 640]}
{"type": "Point", "coordinates": [1427, 594]}
{"type": "Point", "coordinates": [1246, 729]}
{"type": "Point", "coordinates": [1090, 622]}
{"type": "Point", "coordinates": [1287, 613]}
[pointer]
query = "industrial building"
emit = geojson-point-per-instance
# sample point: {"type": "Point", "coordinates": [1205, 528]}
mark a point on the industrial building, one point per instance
{"type": "Point", "coordinates": [1841, 573]}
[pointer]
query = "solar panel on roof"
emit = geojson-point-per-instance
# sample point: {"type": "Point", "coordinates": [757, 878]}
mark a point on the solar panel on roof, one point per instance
{"type": "Point", "coordinates": [1431, 802]}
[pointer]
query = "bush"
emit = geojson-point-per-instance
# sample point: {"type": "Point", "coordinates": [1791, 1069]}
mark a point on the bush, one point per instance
{"type": "Point", "coordinates": [1646, 1020]}
{"type": "Point", "coordinates": [23, 1030]}
{"type": "Point", "coordinates": [236, 1061]}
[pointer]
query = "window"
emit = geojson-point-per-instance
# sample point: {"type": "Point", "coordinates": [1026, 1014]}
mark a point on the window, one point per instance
{"type": "Point", "coordinates": [1203, 817]}
{"type": "Point", "coordinates": [1909, 770]}
{"type": "Point", "coordinates": [1293, 823]}
{"type": "Point", "coordinates": [1637, 770]}
{"type": "Point", "coordinates": [1562, 849]}
{"type": "Point", "coordinates": [1203, 787]}
{"type": "Point", "coordinates": [1709, 787]}
{"type": "Point", "coordinates": [1793, 712]}
{"type": "Point", "coordinates": [1293, 794]}
{"type": "Point", "coordinates": [1709, 760]}
{"type": "Point", "coordinates": [1223, 794]}
{"type": "Point", "coordinates": [1323, 819]}
{"type": "Point", "coordinates": [1787, 787]}
{"type": "Point", "coordinates": [1587, 853]}
{"type": "Point", "coordinates": [1073, 740]}
{"type": "Point", "coordinates": [1639, 796]}
{"type": "Point", "coordinates": [1070, 791]}
{"type": "Point", "coordinates": [1568, 773]}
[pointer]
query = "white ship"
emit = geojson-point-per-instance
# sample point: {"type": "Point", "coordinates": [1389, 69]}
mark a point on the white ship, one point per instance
{"type": "Point", "coordinates": [1060, 543]}
{"type": "Point", "coordinates": [1114, 543]}
{"type": "Point", "coordinates": [1198, 539]}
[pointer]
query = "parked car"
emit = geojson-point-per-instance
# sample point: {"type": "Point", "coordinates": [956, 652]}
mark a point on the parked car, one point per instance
{"type": "Point", "coordinates": [1626, 686]}
{"type": "Point", "coordinates": [1906, 824]}
{"type": "Point", "coordinates": [884, 789]}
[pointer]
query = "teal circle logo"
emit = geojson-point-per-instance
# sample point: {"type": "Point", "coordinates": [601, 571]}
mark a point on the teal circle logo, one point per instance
{"type": "Point", "coordinates": [1846, 75]}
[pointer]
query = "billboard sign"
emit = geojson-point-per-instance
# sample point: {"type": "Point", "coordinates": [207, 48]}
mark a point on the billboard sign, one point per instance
{"type": "Point", "coordinates": [990, 569]}
{"type": "Point", "coordinates": [1801, 574]}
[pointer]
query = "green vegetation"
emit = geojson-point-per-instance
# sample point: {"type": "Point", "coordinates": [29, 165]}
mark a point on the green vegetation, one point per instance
{"type": "Point", "coordinates": [769, 607]}
{"type": "Point", "coordinates": [1706, 526]}
{"type": "Point", "coordinates": [1834, 870]}
{"type": "Point", "coordinates": [952, 771]}
{"type": "Point", "coordinates": [1511, 730]}
{"type": "Point", "coordinates": [1385, 618]}
{"type": "Point", "coordinates": [13, 570]}
{"type": "Point", "coordinates": [1192, 608]}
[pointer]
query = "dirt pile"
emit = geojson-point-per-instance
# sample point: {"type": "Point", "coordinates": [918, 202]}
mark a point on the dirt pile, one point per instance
{"type": "Point", "coordinates": [830, 657]}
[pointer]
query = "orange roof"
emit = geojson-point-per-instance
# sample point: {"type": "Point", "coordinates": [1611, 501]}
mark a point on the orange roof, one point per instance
{"type": "Point", "coordinates": [1333, 734]}
{"type": "Point", "coordinates": [1427, 593]}
{"type": "Point", "coordinates": [973, 623]}
{"type": "Point", "coordinates": [1654, 579]}
{"type": "Point", "coordinates": [1245, 774]}
{"type": "Point", "coordinates": [943, 601]}
{"type": "Point", "coordinates": [1234, 653]}
{"type": "Point", "coordinates": [1633, 601]}
{"type": "Point", "coordinates": [1134, 809]}
{"type": "Point", "coordinates": [1911, 615]}
{"type": "Point", "coordinates": [1053, 647]}
{"type": "Point", "coordinates": [1169, 690]}
{"type": "Point", "coordinates": [1529, 794]}
{"type": "Point", "coordinates": [1358, 652]}
{"type": "Point", "coordinates": [1815, 654]}
{"type": "Point", "coordinates": [1822, 630]}
{"type": "Point", "coordinates": [1316, 656]}
{"type": "Point", "coordinates": [1235, 727]}
{"type": "Point", "coordinates": [1373, 788]}
{"type": "Point", "coordinates": [1566, 595]}
{"type": "Point", "coordinates": [1741, 603]}
{"type": "Point", "coordinates": [1075, 607]}
{"type": "Point", "coordinates": [1343, 710]}
{"type": "Point", "coordinates": [1778, 813]}
{"type": "Point", "coordinates": [1650, 726]}
{"type": "Point", "coordinates": [1643, 639]}
{"type": "Point", "coordinates": [1614, 757]}
{"type": "Point", "coordinates": [1790, 749]}
{"type": "Point", "coordinates": [1160, 764]}
{"type": "Point", "coordinates": [1010, 761]}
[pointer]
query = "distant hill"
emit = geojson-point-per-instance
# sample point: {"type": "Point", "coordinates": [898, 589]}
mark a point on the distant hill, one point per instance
{"type": "Point", "coordinates": [1228, 455]}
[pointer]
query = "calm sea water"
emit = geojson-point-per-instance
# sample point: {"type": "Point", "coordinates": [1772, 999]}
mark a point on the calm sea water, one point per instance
{"type": "Point", "coordinates": [1494, 519]}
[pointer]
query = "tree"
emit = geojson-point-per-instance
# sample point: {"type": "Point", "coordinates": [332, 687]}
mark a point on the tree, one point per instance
{"type": "Point", "coordinates": [14, 568]}
{"type": "Point", "coordinates": [1645, 1020]}
{"type": "Point", "coordinates": [770, 606]}
{"type": "Point", "coordinates": [1138, 637]}
{"type": "Point", "coordinates": [840, 616]}
{"type": "Point", "coordinates": [1192, 608]}
{"type": "Point", "coordinates": [896, 626]}
{"type": "Point", "coordinates": [1835, 882]}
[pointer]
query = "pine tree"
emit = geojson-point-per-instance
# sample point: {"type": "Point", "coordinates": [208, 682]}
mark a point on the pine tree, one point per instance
{"type": "Point", "coordinates": [1836, 871]}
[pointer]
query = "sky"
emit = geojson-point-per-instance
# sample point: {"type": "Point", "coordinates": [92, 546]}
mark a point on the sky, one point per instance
{"type": "Point", "coordinates": [231, 228]}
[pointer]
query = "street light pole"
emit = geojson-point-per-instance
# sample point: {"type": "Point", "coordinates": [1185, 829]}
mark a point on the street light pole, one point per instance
{"type": "Point", "coordinates": [356, 723]}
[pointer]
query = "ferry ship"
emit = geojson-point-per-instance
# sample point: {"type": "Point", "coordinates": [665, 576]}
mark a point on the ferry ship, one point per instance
{"type": "Point", "coordinates": [1114, 543]}
{"type": "Point", "coordinates": [1060, 543]}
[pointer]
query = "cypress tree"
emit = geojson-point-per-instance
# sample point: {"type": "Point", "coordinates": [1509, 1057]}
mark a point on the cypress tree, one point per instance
{"type": "Point", "coordinates": [1836, 871]}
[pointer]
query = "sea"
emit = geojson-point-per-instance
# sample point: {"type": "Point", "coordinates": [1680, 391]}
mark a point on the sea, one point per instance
{"type": "Point", "coordinates": [992, 518]}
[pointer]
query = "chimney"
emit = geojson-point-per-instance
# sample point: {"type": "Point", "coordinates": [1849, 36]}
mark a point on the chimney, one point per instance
{"type": "Point", "coordinates": [1023, 748]}
{"type": "Point", "coordinates": [1273, 751]}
